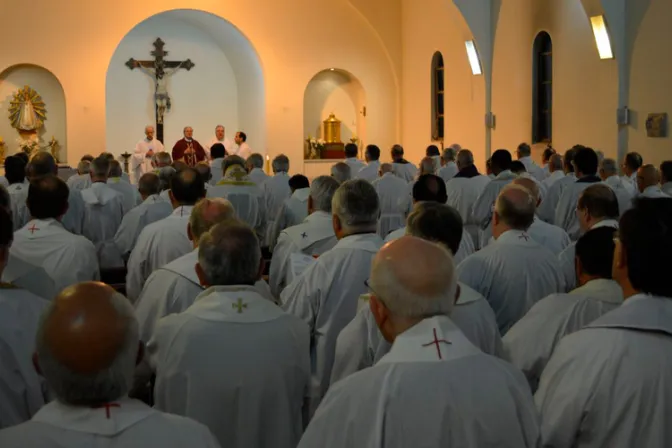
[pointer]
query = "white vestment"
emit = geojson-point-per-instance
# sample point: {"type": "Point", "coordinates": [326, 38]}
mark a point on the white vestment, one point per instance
{"type": "Point", "coordinates": [433, 389]}
{"type": "Point", "coordinates": [482, 212]}
{"type": "Point", "coordinates": [247, 200]}
{"type": "Point", "coordinates": [216, 171]}
{"type": "Point", "coordinates": [395, 203]}
{"type": "Point", "coordinates": [313, 237]}
{"type": "Point", "coordinates": [140, 163]}
{"type": "Point", "coordinates": [18, 194]}
{"type": "Point", "coordinates": [292, 213]}
{"type": "Point", "coordinates": [466, 244]}
{"type": "Point", "coordinates": [243, 150]}
{"type": "Point", "coordinates": [565, 213]}
{"type": "Point", "coordinates": [547, 208]}
{"type": "Point", "coordinates": [667, 188]}
{"type": "Point", "coordinates": [226, 142]}
{"type": "Point", "coordinates": [237, 363]}
{"type": "Point", "coordinates": [68, 259]}
{"type": "Point", "coordinates": [355, 165]}
{"type": "Point", "coordinates": [551, 237]}
{"type": "Point", "coordinates": [462, 195]}
{"type": "Point", "coordinates": [158, 244]}
{"type": "Point", "coordinates": [172, 289]}
{"type": "Point", "coordinates": [325, 297]}
{"type": "Point", "coordinates": [151, 210]}
{"type": "Point", "coordinates": [653, 192]}
{"type": "Point", "coordinates": [622, 193]}
{"type": "Point", "coordinates": [20, 387]}
{"type": "Point", "coordinates": [79, 182]}
{"type": "Point", "coordinates": [369, 172]}
{"type": "Point", "coordinates": [552, 179]}
{"type": "Point", "coordinates": [129, 193]}
{"type": "Point", "coordinates": [533, 169]}
{"type": "Point", "coordinates": [513, 274]}
{"type": "Point", "coordinates": [407, 171]}
{"type": "Point", "coordinates": [529, 344]}
{"type": "Point", "coordinates": [447, 171]}
{"type": "Point", "coordinates": [258, 176]}
{"type": "Point", "coordinates": [568, 255]}
{"type": "Point", "coordinates": [630, 182]}
{"type": "Point", "coordinates": [125, 423]}
{"type": "Point", "coordinates": [4, 182]}
{"type": "Point", "coordinates": [31, 277]}
{"type": "Point", "coordinates": [608, 385]}
{"type": "Point", "coordinates": [104, 210]}
{"type": "Point", "coordinates": [361, 344]}
{"type": "Point", "coordinates": [275, 190]}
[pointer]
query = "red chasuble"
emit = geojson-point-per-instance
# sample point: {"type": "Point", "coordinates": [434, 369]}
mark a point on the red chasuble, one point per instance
{"type": "Point", "coordinates": [190, 159]}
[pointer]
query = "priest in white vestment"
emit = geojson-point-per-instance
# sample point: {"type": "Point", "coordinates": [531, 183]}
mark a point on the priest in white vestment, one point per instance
{"type": "Point", "coordinates": [395, 203]}
{"type": "Point", "coordinates": [463, 190]}
{"type": "Point", "coordinates": [82, 179]}
{"type": "Point", "coordinates": [20, 389]}
{"type": "Point", "coordinates": [609, 175]}
{"type": "Point", "coordinates": [666, 177]}
{"type": "Point", "coordinates": [529, 344]}
{"type": "Point", "coordinates": [311, 238]}
{"type": "Point", "coordinates": [555, 171]}
{"type": "Point", "coordinates": [514, 272]}
{"type": "Point", "coordinates": [257, 400]}
{"type": "Point", "coordinates": [90, 381]}
{"type": "Point", "coordinates": [449, 167]}
{"type": "Point", "coordinates": [434, 387]}
{"type": "Point", "coordinates": [648, 183]}
{"type": "Point", "coordinates": [608, 385]}
{"type": "Point", "coordinates": [242, 150]}
{"type": "Point", "coordinates": [129, 193]}
{"type": "Point", "coordinates": [361, 345]}
{"type": "Point", "coordinates": [481, 214]}
{"type": "Point", "coordinates": [371, 170]}
{"type": "Point", "coordinates": [293, 210]}
{"type": "Point", "coordinates": [551, 237]}
{"type": "Point", "coordinates": [276, 190]}
{"type": "Point", "coordinates": [546, 157]}
{"type": "Point", "coordinates": [217, 154]}
{"type": "Point", "coordinates": [585, 166]}
{"type": "Point", "coordinates": [524, 154]}
{"type": "Point", "coordinates": [631, 163]}
{"type": "Point", "coordinates": [141, 162]}
{"type": "Point", "coordinates": [45, 243]}
{"type": "Point", "coordinates": [552, 197]}
{"type": "Point", "coordinates": [104, 210]}
{"type": "Point", "coordinates": [15, 173]}
{"type": "Point", "coordinates": [352, 161]}
{"type": "Point", "coordinates": [325, 295]}
{"type": "Point", "coordinates": [402, 167]}
{"type": "Point", "coordinates": [255, 169]}
{"type": "Point", "coordinates": [151, 209]}
{"type": "Point", "coordinates": [165, 240]}
{"type": "Point", "coordinates": [246, 197]}
{"type": "Point", "coordinates": [218, 139]}
{"type": "Point", "coordinates": [432, 152]}
{"type": "Point", "coordinates": [341, 172]}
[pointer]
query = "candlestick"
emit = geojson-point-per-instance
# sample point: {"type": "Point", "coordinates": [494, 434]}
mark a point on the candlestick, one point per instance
{"type": "Point", "coordinates": [268, 165]}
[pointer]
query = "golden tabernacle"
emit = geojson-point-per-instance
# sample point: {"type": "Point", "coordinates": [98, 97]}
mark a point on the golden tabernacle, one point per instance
{"type": "Point", "coordinates": [333, 148]}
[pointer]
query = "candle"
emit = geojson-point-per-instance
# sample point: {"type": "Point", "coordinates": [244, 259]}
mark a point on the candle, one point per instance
{"type": "Point", "coordinates": [268, 165]}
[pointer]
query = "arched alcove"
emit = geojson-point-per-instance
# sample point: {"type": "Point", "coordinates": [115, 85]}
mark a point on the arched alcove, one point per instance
{"type": "Point", "coordinates": [49, 88]}
{"type": "Point", "coordinates": [225, 86]}
{"type": "Point", "coordinates": [339, 92]}
{"type": "Point", "coordinates": [542, 94]}
{"type": "Point", "coordinates": [438, 94]}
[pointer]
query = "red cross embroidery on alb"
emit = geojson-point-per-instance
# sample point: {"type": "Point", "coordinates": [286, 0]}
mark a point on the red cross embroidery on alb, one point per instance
{"type": "Point", "coordinates": [33, 229]}
{"type": "Point", "coordinates": [107, 407]}
{"type": "Point", "coordinates": [436, 342]}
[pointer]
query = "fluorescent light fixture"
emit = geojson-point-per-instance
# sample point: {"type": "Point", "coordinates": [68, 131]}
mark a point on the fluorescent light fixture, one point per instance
{"type": "Point", "coordinates": [474, 61]}
{"type": "Point", "coordinates": [602, 37]}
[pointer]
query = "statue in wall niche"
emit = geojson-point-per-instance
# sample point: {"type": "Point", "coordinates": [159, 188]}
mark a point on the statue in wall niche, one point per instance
{"type": "Point", "coordinates": [27, 111]}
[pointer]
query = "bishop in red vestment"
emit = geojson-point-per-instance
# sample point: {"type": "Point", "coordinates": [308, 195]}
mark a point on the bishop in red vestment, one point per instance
{"type": "Point", "coordinates": [188, 149]}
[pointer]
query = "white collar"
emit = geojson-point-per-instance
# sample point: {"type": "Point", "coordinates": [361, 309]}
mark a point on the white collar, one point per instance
{"type": "Point", "coordinates": [601, 289]}
{"type": "Point", "coordinates": [151, 199]}
{"type": "Point", "coordinates": [517, 237]}
{"type": "Point", "coordinates": [637, 298]}
{"type": "Point", "coordinates": [633, 176]}
{"type": "Point", "coordinates": [188, 140]}
{"type": "Point", "coordinates": [505, 175]}
{"type": "Point", "coordinates": [183, 211]}
{"type": "Point", "coordinates": [352, 159]}
{"type": "Point", "coordinates": [236, 303]}
{"type": "Point", "coordinates": [653, 191]}
{"type": "Point", "coordinates": [467, 295]}
{"type": "Point", "coordinates": [369, 242]}
{"type": "Point", "coordinates": [606, 223]}
{"type": "Point", "coordinates": [558, 173]}
{"type": "Point", "coordinates": [301, 194]}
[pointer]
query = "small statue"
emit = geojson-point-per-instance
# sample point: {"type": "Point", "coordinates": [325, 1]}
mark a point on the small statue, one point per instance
{"type": "Point", "coordinates": [27, 110]}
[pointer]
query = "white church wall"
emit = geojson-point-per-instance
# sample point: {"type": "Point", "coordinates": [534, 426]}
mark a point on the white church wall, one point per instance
{"type": "Point", "coordinates": [203, 97]}
{"type": "Point", "coordinates": [334, 92]}
{"type": "Point", "coordinates": [650, 81]}
{"type": "Point", "coordinates": [49, 88]}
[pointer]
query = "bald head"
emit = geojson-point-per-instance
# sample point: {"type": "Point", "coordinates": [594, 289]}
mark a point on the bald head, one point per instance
{"type": "Point", "coordinates": [41, 164]}
{"type": "Point", "coordinates": [386, 168]}
{"type": "Point", "coordinates": [647, 176]}
{"type": "Point", "coordinates": [204, 170]}
{"type": "Point", "coordinates": [206, 214]}
{"type": "Point", "coordinates": [555, 163]}
{"type": "Point", "coordinates": [530, 185]}
{"type": "Point", "coordinates": [427, 166]}
{"type": "Point", "coordinates": [414, 279]}
{"type": "Point", "coordinates": [514, 210]}
{"type": "Point", "coordinates": [465, 158]}
{"type": "Point", "coordinates": [87, 344]}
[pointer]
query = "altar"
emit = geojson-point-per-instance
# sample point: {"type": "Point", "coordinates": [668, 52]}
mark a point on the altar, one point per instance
{"type": "Point", "coordinates": [318, 167]}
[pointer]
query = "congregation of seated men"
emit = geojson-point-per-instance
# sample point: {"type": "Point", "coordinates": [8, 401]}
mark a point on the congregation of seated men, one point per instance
{"type": "Point", "coordinates": [386, 305]}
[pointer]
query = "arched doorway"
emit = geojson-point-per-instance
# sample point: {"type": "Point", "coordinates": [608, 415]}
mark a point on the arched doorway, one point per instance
{"type": "Point", "coordinates": [542, 94]}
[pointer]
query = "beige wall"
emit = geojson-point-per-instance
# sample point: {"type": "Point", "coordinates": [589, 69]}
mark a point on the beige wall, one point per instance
{"type": "Point", "coordinates": [77, 39]}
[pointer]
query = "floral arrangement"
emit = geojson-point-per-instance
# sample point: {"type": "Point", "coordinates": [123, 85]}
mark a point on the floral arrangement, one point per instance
{"type": "Point", "coordinates": [316, 147]}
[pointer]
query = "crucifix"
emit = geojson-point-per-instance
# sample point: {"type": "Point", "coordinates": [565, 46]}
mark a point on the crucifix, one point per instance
{"type": "Point", "coordinates": [160, 70]}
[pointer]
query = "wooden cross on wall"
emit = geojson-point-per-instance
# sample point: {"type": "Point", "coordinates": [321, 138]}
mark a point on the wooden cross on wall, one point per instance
{"type": "Point", "coordinates": [160, 69]}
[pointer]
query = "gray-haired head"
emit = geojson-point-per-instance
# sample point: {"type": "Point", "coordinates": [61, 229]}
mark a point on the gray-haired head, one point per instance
{"type": "Point", "coordinates": [281, 164]}
{"type": "Point", "coordinates": [515, 207]}
{"type": "Point", "coordinates": [530, 185]}
{"type": "Point", "coordinates": [162, 159]}
{"type": "Point", "coordinates": [149, 184]}
{"type": "Point", "coordinates": [608, 168]}
{"type": "Point", "coordinates": [465, 158]}
{"type": "Point", "coordinates": [166, 175]}
{"type": "Point", "coordinates": [322, 192]}
{"type": "Point", "coordinates": [356, 206]}
{"type": "Point", "coordinates": [229, 254]}
{"type": "Point", "coordinates": [230, 161]}
{"type": "Point", "coordinates": [427, 166]}
{"type": "Point", "coordinates": [100, 168]}
{"type": "Point", "coordinates": [524, 150]}
{"type": "Point", "coordinates": [255, 161]}
{"type": "Point", "coordinates": [83, 167]}
{"type": "Point", "coordinates": [387, 168]}
{"type": "Point", "coordinates": [115, 169]}
{"type": "Point", "coordinates": [341, 172]}
{"type": "Point", "coordinates": [449, 154]}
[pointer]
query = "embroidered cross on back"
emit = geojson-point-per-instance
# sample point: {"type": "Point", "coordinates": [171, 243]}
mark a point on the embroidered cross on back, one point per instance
{"type": "Point", "coordinates": [107, 407]}
{"type": "Point", "coordinates": [436, 342]}
{"type": "Point", "coordinates": [524, 236]}
{"type": "Point", "coordinates": [304, 235]}
{"type": "Point", "coordinates": [239, 305]}
{"type": "Point", "coordinates": [33, 229]}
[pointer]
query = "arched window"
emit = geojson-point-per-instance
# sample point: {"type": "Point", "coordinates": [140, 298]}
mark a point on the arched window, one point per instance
{"type": "Point", "coordinates": [437, 97]}
{"type": "Point", "coordinates": [542, 95]}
